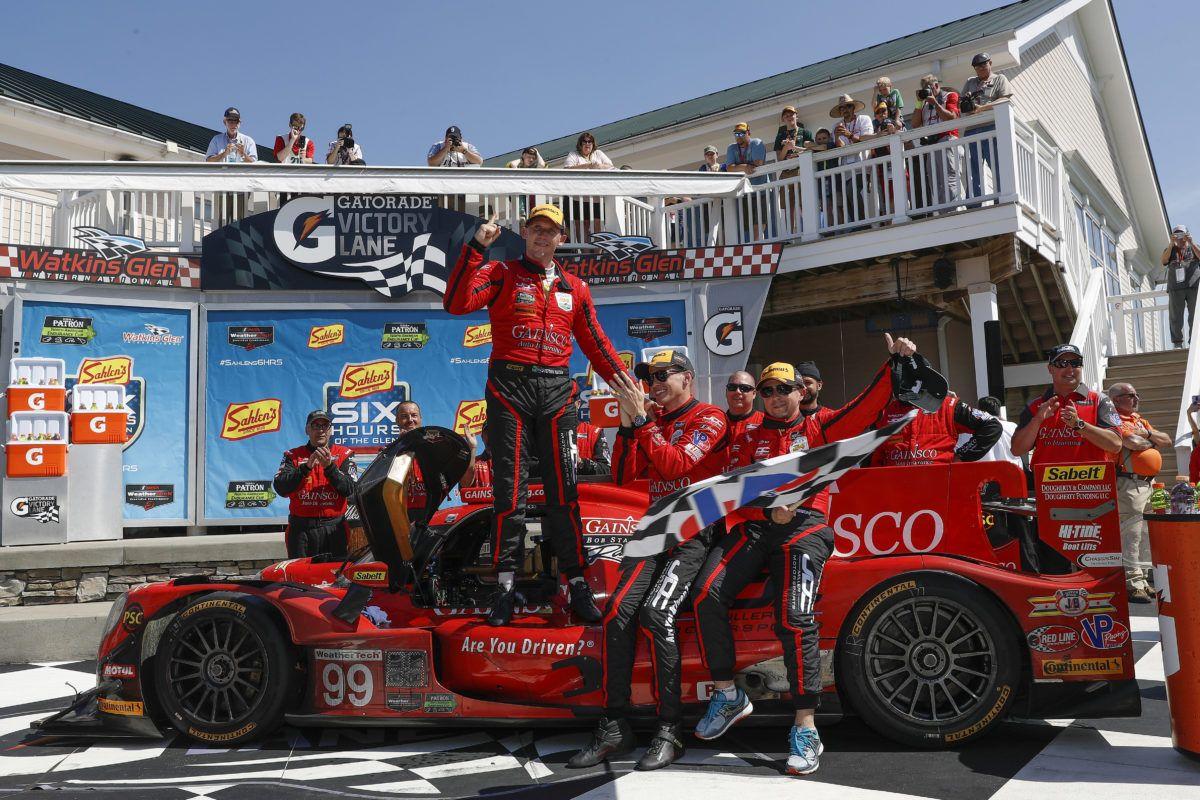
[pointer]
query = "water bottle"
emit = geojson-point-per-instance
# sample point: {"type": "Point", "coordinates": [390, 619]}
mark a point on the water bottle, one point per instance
{"type": "Point", "coordinates": [1183, 496]}
{"type": "Point", "coordinates": [1158, 499]}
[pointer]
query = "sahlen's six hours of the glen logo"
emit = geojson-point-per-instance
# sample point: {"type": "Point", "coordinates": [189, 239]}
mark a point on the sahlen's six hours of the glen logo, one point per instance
{"type": "Point", "coordinates": [382, 240]}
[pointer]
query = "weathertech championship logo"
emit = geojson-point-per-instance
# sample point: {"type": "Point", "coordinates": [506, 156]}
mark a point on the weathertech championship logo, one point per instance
{"type": "Point", "coordinates": [243, 420]}
{"type": "Point", "coordinates": [106, 258]}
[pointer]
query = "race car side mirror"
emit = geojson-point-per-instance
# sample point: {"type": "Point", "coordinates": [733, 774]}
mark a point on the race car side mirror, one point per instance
{"type": "Point", "coordinates": [373, 575]}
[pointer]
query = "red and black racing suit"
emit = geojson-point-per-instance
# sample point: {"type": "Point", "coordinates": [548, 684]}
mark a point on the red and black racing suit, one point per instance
{"type": "Point", "coordinates": [592, 449]}
{"type": "Point", "coordinates": [932, 438]}
{"type": "Point", "coordinates": [675, 450]}
{"type": "Point", "coordinates": [737, 426]}
{"type": "Point", "coordinates": [317, 508]}
{"type": "Point", "coordinates": [795, 552]}
{"type": "Point", "coordinates": [530, 393]}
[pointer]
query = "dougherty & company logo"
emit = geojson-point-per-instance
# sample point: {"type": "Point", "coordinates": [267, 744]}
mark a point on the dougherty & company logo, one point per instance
{"type": "Point", "coordinates": [243, 420]}
{"type": "Point", "coordinates": [249, 494]}
{"type": "Point", "coordinates": [471, 415]}
{"type": "Point", "coordinates": [109, 369]}
{"type": "Point", "coordinates": [477, 335]}
{"type": "Point", "coordinates": [360, 380]}
{"type": "Point", "coordinates": [326, 335]}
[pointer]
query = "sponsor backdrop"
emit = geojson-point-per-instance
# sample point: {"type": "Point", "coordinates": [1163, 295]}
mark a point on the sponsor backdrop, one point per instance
{"type": "Point", "coordinates": [359, 364]}
{"type": "Point", "coordinates": [146, 349]}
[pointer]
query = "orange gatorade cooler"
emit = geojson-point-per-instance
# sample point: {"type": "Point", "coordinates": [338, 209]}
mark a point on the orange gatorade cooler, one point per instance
{"type": "Point", "coordinates": [1175, 543]}
{"type": "Point", "coordinates": [603, 411]}
{"type": "Point", "coordinates": [37, 384]}
{"type": "Point", "coordinates": [98, 414]}
{"type": "Point", "coordinates": [37, 444]}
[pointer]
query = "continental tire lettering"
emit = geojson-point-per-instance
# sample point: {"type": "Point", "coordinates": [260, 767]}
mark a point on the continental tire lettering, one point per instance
{"type": "Point", "coordinates": [222, 737]}
{"type": "Point", "coordinates": [891, 591]}
{"type": "Point", "coordinates": [124, 708]}
{"type": "Point", "coordinates": [958, 736]}
{"type": "Point", "coordinates": [205, 605]}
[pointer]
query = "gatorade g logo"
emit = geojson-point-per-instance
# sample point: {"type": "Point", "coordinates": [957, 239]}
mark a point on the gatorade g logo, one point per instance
{"type": "Point", "coordinates": [37, 401]}
{"type": "Point", "coordinates": [326, 335]}
{"type": "Point", "coordinates": [243, 420]}
{"type": "Point", "coordinates": [34, 456]}
{"type": "Point", "coordinates": [360, 380]}
{"type": "Point", "coordinates": [113, 369]}
{"type": "Point", "coordinates": [471, 415]}
{"type": "Point", "coordinates": [98, 424]}
{"type": "Point", "coordinates": [477, 335]}
{"type": "Point", "coordinates": [304, 230]}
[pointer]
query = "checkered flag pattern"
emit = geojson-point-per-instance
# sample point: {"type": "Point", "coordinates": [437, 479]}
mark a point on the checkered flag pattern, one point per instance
{"type": "Point", "coordinates": [47, 515]}
{"type": "Point", "coordinates": [9, 262]}
{"type": "Point", "coordinates": [399, 274]}
{"type": "Point", "coordinates": [248, 254]}
{"type": "Point", "coordinates": [732, 262]}
{"type": "Point", "coordinates": [782, 480]}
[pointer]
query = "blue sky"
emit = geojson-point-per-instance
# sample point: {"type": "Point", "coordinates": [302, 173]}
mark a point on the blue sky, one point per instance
{"type": "Point", "coordinates": [512, 74]}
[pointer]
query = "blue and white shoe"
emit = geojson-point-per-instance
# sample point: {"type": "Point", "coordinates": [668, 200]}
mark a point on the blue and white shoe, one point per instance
{"type": "Point", "coordinates": [722, 714]}
{"type": "Point", "coordinates": [806, 751]}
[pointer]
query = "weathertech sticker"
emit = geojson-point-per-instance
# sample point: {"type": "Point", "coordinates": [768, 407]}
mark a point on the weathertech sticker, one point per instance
{"type": "Point", "coordinates": [348, 655]}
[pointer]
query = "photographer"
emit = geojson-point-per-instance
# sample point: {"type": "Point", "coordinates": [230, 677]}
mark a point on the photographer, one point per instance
{"type": "Point", "coordinates": [452, 151]}
{"type": "Point", "coordinates": [979, 94]}
{"type": "Point", "coordinates": [1183, 274]}
{"type": "Point", "coordinates": [887, 121]}
{"type": "Point", "coordinates": [939, 169]}
{"type": "Point", "coordinates": [344, 150]}
{"type": "Point", "coordinates": [294, 147]}
{"type": "Point", "coordinates": [232, 145]}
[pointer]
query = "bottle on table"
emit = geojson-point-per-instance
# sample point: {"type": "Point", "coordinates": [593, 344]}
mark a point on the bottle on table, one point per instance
{"type": "Point", "coordinates": [1183, 496]}
{"type": "Point", "coordinates": [1159, 500]}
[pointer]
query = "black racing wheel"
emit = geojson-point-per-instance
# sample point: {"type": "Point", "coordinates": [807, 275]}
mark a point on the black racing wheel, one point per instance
{"type": "Point", "coordinates": [223, 670]}
{"type": "Point", "coordinates": [929, 659]}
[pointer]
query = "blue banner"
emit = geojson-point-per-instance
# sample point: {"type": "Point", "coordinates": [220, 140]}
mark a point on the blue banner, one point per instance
{"type": "Point", "coordinates": [266, 369]}
{"type": "Point", "coordinates": [146, 349]}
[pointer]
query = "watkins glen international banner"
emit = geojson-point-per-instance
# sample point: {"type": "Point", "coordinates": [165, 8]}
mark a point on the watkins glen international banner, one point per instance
{"type": "Point", "coordinates": [634, 259]}
{"type": "Point", "coordinates": [105, 259]}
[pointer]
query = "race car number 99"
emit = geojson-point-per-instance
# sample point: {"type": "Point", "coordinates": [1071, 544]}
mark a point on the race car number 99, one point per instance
{"type": "Point", "coordinates": [353, 683]}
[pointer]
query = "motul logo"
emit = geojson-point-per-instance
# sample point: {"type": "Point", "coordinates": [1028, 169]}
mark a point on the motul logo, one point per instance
{"type": "Point", "coordinates": [34, 456]}
{"type": "Point", "coordinates": [360, 380]}
{"type": "Point", "coordinates": [326, 335]}
{"type": "Point", "coordinates": [115, 369]}
{"type": "Point", "coordinates": [243, 420]}
{"type": "Point", "coordinates": [477, 335]}
{"type": "Point", "coordinates": [888, 532]}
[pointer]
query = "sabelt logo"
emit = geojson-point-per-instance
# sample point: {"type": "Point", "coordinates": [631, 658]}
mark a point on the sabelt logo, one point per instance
{"type": "Point", "coordinates": [360, 380]}
{"type": "Point", "coordinates": [371, 576]}
{"type": "Point", "coordinates": [471, 415]}
{"type": "Point", "coordinates": [114, 369]}
{"type": "Point", "coordinates": [1086, 472]}
{"type": "Point", "coordinates": [326, 335]}
{"type": "Point", "coordinates": [477, 335]}
{"type": "Point", "coordinates": [1083, 666]}
{"type": "Point", "coordinates": [243, 420]}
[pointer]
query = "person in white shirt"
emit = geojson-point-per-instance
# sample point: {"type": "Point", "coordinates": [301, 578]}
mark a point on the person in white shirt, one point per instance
{"type": "Point", "coordinates": [586, 155]}
{"type": "Point", "coordinates": [232, 145]}
{"type": "Point", "coordinates": [583, 217]}
{"type": "Point", "coordinates": [1002, 449]}
{"type": "Point", "coordinates": [852, 127]}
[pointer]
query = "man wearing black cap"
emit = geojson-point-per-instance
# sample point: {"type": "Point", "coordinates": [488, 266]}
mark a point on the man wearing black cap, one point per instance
{"type": "Point", "coordinates": [232, 145]}
{"type": "Point", "coordinates": [685, 443]}
{"type": "Point", "coordinates": [1182, 260]}
{"type": "Point", "coordinates": [979, 94]}
{"type": "Point", "coordinates": [317, 477]}
{"type": "Point", "coordinates": [1070, 423]}
{"type": "Point", "coordinates": [452, 151]}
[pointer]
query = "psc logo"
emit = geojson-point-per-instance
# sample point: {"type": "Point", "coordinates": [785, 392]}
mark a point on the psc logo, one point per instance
{"type": "Point", "coordinates": [326, 335]}
{"type": "Point", "coordinates": [113, 369]}
{"type": "Point", "coordinates": [243, 420]}
{"type": "Point", "coordinates": [132, 618]}
{"type": "Point", "coordinates": [360, 380]}
{"type": "Point", "coordinates": [477, 335]}
{"type": "Point", "coordinates": [471, 415]}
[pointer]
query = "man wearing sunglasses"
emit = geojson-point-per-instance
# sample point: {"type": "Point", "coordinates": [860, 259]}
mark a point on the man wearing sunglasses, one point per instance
{"type": "Point", "coordinates": [317, 477]}
{"type": "Point", "coordinates": [1069, 423]}
{"type": "Point", "coordinates": [740, 415]}
{"type": "Point", "coordinates": [683, 444]}
{"type": "Point", "coordinates": [793, 543]}
{"type": "Point", "coordinates": [535, 309]}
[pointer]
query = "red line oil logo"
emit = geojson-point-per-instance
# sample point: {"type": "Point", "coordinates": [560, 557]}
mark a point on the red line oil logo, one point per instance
{"type": "Point", "coordinates": [243, 420]}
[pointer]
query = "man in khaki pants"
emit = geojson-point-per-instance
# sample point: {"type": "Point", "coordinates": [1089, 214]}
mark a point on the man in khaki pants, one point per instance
{"type": "Point", "coordinates": [1133, 490]}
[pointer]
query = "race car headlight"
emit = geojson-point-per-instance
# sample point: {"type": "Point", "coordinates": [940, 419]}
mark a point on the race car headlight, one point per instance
{"type": "Point", "coordinates": [114, 616]}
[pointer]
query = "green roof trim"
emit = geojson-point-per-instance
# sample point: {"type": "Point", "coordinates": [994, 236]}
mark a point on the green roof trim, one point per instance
{"type": "Point", "coordinates": [36, 90]}
{"type": "Point", "coordinates": [951, 34]}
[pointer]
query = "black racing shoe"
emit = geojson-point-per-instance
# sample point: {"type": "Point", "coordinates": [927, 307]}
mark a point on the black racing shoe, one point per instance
{"type": "Point", "coordinates": [612, 737]}
{"type": "Point", "coordinates": [582, 602]}
{"type": "Point", "coordinates": [502, 607]}
{"type": "Point", "coordinates": [665, 748]}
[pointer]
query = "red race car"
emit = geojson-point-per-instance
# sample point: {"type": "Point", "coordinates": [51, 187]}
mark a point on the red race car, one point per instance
{"type": "Point", "coordinates": [932, 622]}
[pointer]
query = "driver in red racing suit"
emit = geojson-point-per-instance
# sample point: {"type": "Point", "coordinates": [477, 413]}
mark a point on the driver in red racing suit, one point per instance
{"type": "Point", "coordinates": [794, 543]}
{"type": "Point", "coordinates": [931, 438]}
{"type": "Point", "coordinates": [534, 308]}
{"type": "Point", "coordinates": [684, 444]}
{"type": "Point", "coordinates": [317, 477]}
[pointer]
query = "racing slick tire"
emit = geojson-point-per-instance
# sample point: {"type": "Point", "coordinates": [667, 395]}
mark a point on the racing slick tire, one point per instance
{"type": "Point", "coordinates": [929, 660]}
{"type": "Point", "coordinates": [223, 670]}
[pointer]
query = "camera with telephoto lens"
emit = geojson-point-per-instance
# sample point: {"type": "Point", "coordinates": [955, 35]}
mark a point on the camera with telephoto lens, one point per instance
{"type": "Point", "coordinates": [968, 102]}
{"type": "Point", "coordinates": [924, 94]}
{"type": "Point", "coordinates": [348, 143]}
{"type": "Point", "coordinates": [456, 141]}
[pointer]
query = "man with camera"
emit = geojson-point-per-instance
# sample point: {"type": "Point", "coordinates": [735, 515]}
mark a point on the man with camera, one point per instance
{"type": "Point", "coordinates": [1183, 274]}
{"type": "Point", "coordinates": [344, 150]}
{"type": "Point", "coordinates": [940, 170]}
{"type": "Point", "coordinates": [979, 94]}
{"type": "Point", "coordinates": [452, 151]}
{"type": "Point", "coordinates": [232, 145]}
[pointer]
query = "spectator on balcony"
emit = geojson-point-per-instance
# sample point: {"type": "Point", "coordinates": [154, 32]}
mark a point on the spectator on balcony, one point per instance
{"type": "Point", "coordinates": [530, 159]}
{"type": "Point", "coordinates": [1182, 260]}
{"type": "Point", "coordinates": [344, 150]}
{"type": "Point", "coordinates": [583, 216]}
{"type": "Point", "coordinates": [710, 163]}
{"type": "Point", "coordinates": [790, 141]}
{"type": "Point", "coordinates": [294, 147]}
{"type": "Point", "coordinates": [980, 94]}
{"type": "Point", "coordinates": [586, 155]}
{"type": "Point", "coordinates": [452, 151]}
{"type": "Point", "coordinates": [822, 142]}
{"type": "Point", "coordinates": [937, 179]}
{"type": "Point", "coordinates": [232, 145]}
{"type": "Point", "coordinates": [886, 93]}
{"type": "Point", "coordinates": [852, 128]}
{"type": "Point", "coordinates": [884, 124]}
{"type": "Point", "coordinates": [746, 155]}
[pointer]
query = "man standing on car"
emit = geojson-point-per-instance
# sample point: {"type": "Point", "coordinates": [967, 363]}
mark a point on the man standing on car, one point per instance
{"type": "Point", "coordinates": [794, 542]}
{"type": "Point", "coordinates": [535, 308]}
{"type": "Point", "coordinates": [684, 444]}
{"type": "Point", "coordinates": [317, 477]}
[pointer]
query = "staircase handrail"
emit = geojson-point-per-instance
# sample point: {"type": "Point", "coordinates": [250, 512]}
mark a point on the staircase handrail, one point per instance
{"type": "Point", "coordinates": [1090, 326]}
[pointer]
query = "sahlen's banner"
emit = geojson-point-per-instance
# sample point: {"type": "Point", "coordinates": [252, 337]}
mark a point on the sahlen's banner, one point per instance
{"type": "Point", "coordinates": [265, 370]}
{"type": "Point", "coordinates": [147, 350]}
{"type": "Point", "coordinates": [393, 244]}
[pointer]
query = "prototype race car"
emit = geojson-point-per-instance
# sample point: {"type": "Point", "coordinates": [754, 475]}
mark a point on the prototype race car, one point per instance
{"type": "Point", "coordinates": [933, 626]}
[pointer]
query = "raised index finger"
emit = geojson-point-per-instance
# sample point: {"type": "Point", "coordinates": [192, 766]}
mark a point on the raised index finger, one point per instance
{"type": "Point", "coordinates": [495, 216]}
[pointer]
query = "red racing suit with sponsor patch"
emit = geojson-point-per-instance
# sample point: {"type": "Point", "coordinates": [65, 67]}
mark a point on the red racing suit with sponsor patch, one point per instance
{"type": "Point", "coordinates": [795, 552]}
{"type": "Point", "coordinates": [1056, 442]}
{"type": "Point", "coordinates": [317, 500]}
{"type": "Point", "coordinates": [680, 447]}
{"type": "Point", "coordinates": [738, 426]}
{"type": "Point", "coordinates": [931, 438]}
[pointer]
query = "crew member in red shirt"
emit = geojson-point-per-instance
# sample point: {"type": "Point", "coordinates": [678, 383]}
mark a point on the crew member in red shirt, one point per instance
{"type": "Point", "coordinates": [793, 543]}
{"type": "Point", "coordinates": [317, 477]}
{"type": "Point", "coordinates": [535, 309]}
{"type": "Point", "coordinates": [683, 444]}
{"type": "Point", "coordinates": [740, 415]}
{"type": "Point", "coordinates": [1070, 423]}
{"type": "Point", "coordinates": [931, 438]}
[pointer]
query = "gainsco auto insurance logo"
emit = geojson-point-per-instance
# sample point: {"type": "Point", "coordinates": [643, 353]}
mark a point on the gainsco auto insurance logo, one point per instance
{"type": "Point", "coordinates": [477, 335]}
{"type": "Point", "coordinates": [471, 415]}
{"type": "Point", "coordinates": [112, 369]}
{"type": "Point", "coordinates": [360, 380]}
{"type": "Point", "coordinates": [243, 420]}
{"type": "Point", "coordinates": [326, 335]}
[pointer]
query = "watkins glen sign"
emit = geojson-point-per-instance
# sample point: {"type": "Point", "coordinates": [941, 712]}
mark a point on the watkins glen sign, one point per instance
{"type": "Point", "coordinates": [104, 258]}
{"type": "Point", "coordinates": [634, 259]}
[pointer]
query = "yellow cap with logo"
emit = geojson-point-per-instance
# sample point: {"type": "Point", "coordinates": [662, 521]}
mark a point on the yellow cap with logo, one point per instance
{"type": "Point", "coordinates": [664, 359]}
{"type": "Point", "coordinates": [549, 211]}
{"type": "Point", "coordinates": [779, 371]}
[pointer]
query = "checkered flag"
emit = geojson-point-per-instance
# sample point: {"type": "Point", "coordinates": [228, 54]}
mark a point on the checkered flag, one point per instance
{"type": "Point", "coordinates": [47, 515]}
{"type": "Point", "coordinates": [249, 255]}
{"type": "Point", "coordinates": [400, 274]}
{"type": "Point", "coordinates": [779, 481]}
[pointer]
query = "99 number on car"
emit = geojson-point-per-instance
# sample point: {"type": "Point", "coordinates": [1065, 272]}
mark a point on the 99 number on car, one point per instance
{"type": "Point", "coordinates": [351, 683]}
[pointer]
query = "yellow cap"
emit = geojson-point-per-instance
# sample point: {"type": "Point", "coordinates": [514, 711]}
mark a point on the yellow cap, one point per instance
{"type": "Point", "coordinates": [741, 126]}
{"type": "Point", "coordinates": [549, 211]}
{"type": "Point", "coordinates": [779, 371]}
